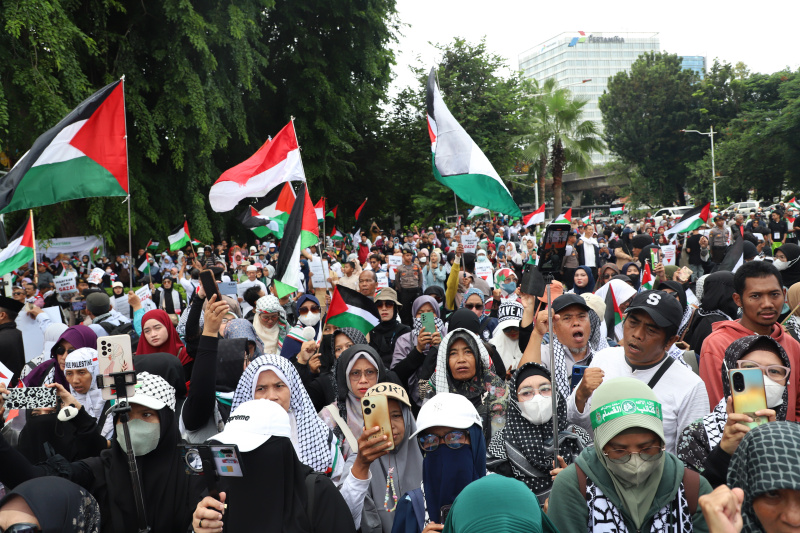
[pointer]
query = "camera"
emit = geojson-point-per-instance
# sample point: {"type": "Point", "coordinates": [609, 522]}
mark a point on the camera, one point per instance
{"type": "Point", "coordinates": [738, 382]}
{"type": "Point", "coordinates": [367, 406]}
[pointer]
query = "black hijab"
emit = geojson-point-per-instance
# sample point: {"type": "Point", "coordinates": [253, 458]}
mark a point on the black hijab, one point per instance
{"type": "Point", "coordinates": [792, 274]}
{"type": "Point", "coordinates": [165, 365]}
{"type": "Point", "coordinates": [230, 367]}
{"type": "Point", "coordinates": [59, 505]}
{"type": "Point", "coordinates": [679, 291]}
{"type": "Point", "coordinates": [384, 336]}
{"type": "Point", "coordinates": [44, 436]}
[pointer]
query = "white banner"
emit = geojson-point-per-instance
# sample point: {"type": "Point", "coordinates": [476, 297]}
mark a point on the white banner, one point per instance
{"type": "Point", "coordinates": [66, 286]}
{"type": "Point", "coordinates": [669, 254]}
{"type": "Point", "coordinates": [79, 246]}
{"type": "Point", "coordinates": [484, 270]}
{"type": "Point", "coordinates": [393, 261]}
{"type": "Point", "coordinates": [470, 243]}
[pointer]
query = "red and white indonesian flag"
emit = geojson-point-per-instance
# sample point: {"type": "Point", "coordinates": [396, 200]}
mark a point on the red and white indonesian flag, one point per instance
{"type": "Point", "coordinates": [537, 217]}
{"type": "Point", "coordinates": [459, 164]}
{"type": "Point", "coordinates": [276, 162]}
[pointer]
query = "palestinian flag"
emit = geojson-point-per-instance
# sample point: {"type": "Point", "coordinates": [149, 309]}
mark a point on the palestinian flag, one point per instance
{"type": "Point", "coordinates": [691, 220]}
{"type": "Point", "coordinates": [647, 280]}
{"type": "Point", "coordinates": [275, 206]}
{"type": "Point", "coordinates": [152, 245]}
{"type": "Point", "coordinates": [351, 309]}
{"type": "Point", "coordinates": [319, 209]}
{"type": "Point", "coordinates": [734, 256]}
{"type": "Point", "coordinates": [617, 210]}
{"type": "Point", "coordinates": [336, 235]}
{"type": "Point", "coordinates": [566, 218]}
{"type": "Point", "coordinates": [477, 211]}
{"type": "Point", "coordinates": [332, 212]}
{"type": "Point", "coordinates": [793, 203]}
{"type": "Point", "coordinates": [144, 268]}
{"type": "Point", "coordinates": [617, 314]}
{"type": "Point", "coordinates": [180, 237]}
{"type": "Point", "coordinates": [586, 219]}
{"type": "Point", "coordinates": [276, 162]}
{"type": "Point", "coordinates": [537, 217]}
{"type": "Point", "coordinates": [358, 211]}
{"type": "Point", "coordinates": [95, 254]}
{"type": "Point", "coordinates": [458, 163]}
{"type": "Point", "coordinates": [83, 156]}
{"type": "Point", "coordinates": [19, 251]}
{"type": "Point", "coordinates": [301, 232]}
{"type": "Point", "coordinates": [254, 220]}
{"type": "Point", "coordinates": [195, 241]}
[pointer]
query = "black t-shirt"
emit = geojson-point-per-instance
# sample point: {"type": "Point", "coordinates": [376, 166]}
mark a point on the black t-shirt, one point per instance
{"type": "Point", "coordinates": [693, 244]}
{"type": "Point", "coordinates": [777, 229]}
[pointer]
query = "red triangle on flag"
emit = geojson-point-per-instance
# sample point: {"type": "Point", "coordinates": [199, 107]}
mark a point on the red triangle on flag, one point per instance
{"type": "Point", "coordinates": [27, 235]}
{"type": "Point", "coordinates": [309, 215]}
{"type": "Point", "coordinates": [286, 199]}
{"type": "Point", "coordinates": [103, 139]}
{"type": "Point", "coordinates": [358, 211]}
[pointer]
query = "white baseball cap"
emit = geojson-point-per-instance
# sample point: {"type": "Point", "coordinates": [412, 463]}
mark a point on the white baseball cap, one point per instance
{"type": "Point", "coordinates": [253, 423]}
{"type": "Point", "coordinates": [449, 410]}
{"type": "Point", "coordinates": [152, 391]}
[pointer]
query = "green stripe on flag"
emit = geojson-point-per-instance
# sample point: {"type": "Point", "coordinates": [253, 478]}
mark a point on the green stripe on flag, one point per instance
{"type": "Point", "coordinates": [307, 239]}
{"type": "Point", "coordinates": [17, 260]}
{"type": "Point", "coordinates": [283, 289]}
{"type": "Point", "coordinates": [475, 189]}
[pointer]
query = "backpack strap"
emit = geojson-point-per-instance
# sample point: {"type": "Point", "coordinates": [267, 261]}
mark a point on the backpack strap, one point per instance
{"type": "Point", "coordinates": [661, 371]}
{"type": "Point", "coordinates": [691, 488]}
{"type": "Point", "coordinates": [348, 435]}
{"type": "Point", "coordinates": [311, 481]}
{"type": "Point", "coordinates": [581, 481]}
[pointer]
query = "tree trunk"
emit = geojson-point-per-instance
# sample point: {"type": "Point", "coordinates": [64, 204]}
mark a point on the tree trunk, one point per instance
{"type": "Point", "coordinates": [558, 172]}
{"type": "Point", "coordinates": [681, 194]}
{"type": "Point", "coordinates": [542, 172]}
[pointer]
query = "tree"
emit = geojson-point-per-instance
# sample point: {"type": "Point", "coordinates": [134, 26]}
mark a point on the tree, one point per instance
{"type": "Point", "coordinates": [644, 112]}
{"type": "Point", "coordinates": [556, 123]}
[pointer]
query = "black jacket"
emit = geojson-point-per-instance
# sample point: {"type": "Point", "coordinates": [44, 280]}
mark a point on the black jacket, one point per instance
{"type": "Point", "coordinates": [13, 353]}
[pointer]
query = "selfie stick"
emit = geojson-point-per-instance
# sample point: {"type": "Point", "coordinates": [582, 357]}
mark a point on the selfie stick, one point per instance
{"type": "Point", "coordinates": [122, 408]}
{"type": "Point", "coordinates": [554, 386]}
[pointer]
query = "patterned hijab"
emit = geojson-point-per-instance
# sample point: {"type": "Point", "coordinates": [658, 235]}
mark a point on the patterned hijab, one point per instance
{"type": "Point", "coordinates": [312, 443]}
{"type": "Point", "coordinates": [240, 328]}
{"type": "Point", "coordinates": [767, 459]}
{"type": "Point", "coordinates": [59, 505]}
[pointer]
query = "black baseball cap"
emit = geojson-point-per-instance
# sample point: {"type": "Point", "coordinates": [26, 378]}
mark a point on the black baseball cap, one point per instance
{"type": "Point", "coordinates": [565, 300]}
{"type": "Point", "coordinates": [663, 308]}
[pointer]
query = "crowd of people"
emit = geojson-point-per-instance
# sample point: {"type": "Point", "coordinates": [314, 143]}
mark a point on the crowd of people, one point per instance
{"type": "Point", "coordinates": [635, 341]}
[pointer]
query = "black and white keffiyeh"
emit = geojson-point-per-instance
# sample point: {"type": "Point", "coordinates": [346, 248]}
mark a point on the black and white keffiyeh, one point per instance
{"type": "Point", "coordinates": [313, 442]}
{"type": "Point", "coordinates": [597, 342]}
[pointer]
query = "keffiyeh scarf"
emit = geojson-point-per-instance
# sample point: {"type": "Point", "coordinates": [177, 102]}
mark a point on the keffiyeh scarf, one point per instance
{"type": "Point", "coordinates": [597, 342]}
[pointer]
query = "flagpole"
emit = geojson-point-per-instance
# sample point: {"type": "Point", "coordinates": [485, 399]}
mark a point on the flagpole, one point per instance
{"type": "Point", "coordinates": [35, 264]}
{"type": "Point", "coordinates": [128, 198]}
{"type": "Point", "coordinates": [455, 199]}
{"type": "Point", "coordinates": [194, 252]}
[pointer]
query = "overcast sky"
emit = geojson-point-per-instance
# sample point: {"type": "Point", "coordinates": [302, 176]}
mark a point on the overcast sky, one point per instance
{"type": "Point", "coordinates": [758, 33]}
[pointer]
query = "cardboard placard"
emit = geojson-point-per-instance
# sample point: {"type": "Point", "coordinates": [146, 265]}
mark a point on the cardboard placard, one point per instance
{"type": "Point", "coordinates": [144, 293]}
{"type": "Point", "coordinates": [484, 270]}
{"type": "Point", "coordinates": [66, 286]}
{"type": "Point", "coordinates": [669, 254]}
{"type": "Point", "coordinates": [470, 243]}
{"type": "Point", "coordinates": [319, 273]}
{"type": "Point", "coordinates": [383, 280]}
{"type": "Point", "coordinates": [96, 276]}
{"type": "Point", "coordinates": [228, 287]}
{"type": "Point", "coordinates": [393, 261]}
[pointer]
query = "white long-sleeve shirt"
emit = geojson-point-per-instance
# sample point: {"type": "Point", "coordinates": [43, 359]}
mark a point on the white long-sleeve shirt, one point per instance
{"type": "Point", "coordinates": [681, 392]}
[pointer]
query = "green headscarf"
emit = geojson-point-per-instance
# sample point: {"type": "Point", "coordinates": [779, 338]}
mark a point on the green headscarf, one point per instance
{"type": "Point", "coordinates": [620, 404]}
{"type": "Point", "coordinates": [497, 503]}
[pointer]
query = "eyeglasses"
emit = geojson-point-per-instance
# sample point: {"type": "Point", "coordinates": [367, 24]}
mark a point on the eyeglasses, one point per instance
{"type": "Point", "coordinates": [384, 303]}
{"type": "Point", "coordinates": [60, 350]}
{"type": "Point", "coordinates": [303, 311]}
{"type": "Point", "coordinates": [771, 371]}
{"type": "Point", "coordinates": [355, 375]}
{"type": "Point", "coordinates": [437, 298]}
{"type": "Point", "coordinates": [471, 307]}
{"type": "Point", "coordinates": [22, 527]}
{"type": "Point", "coordinates": [453, 440]}
{"type": "Point", "coordinates": [270, 317]}
{"type": "Point", "coordinates": [608, 276]}
{"type": "Point", "coordinates": [225, 320]}
{"type": "Point", "coordinates": [526, 393]}
{"type": "Point", "coordinates": [623, 456]}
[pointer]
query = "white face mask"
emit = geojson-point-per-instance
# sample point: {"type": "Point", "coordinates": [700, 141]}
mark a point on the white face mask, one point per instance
{"type": "Point", "coordinates": [774, 393]}
{"type": "Point", "coordinates": [780, 265]}
{"type": "Point", "coordinates": [310, 319]}
{"type": "Point", "coordinates": [537, 410]}
{"type": "Point", "coordinates": [144, 436]}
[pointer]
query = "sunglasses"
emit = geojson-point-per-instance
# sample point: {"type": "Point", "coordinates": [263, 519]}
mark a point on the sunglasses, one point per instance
{"type": "Point", "coordinates": [303, 311]}
{"type": "Point", "coordinates": [384, 303]}
{"type": "Point", "coordinates": [22, 527]}
{"type": "Point", "coordinates": [61, 350]}
{"type": "Point", "coordinates": [471, 307]}
{"type": "Point", "coordinates": [453, 440]}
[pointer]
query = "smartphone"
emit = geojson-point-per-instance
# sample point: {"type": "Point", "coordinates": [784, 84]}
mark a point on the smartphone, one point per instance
{"type": "Point", "coordinates": [747, 390]}
{"type": "Point", "coordinates": [226, 458]}
{"type": "Point", "coordinates": [79, 306]}
{"type": "Point", "coordinates": [444, 510]}
{"type": "Point", "coordinates": [428, 323]}
{"type": "Point", "coordinates": [30, 398]}
{"type": "Point", "coordinates": [577, 375]}
{"type": "Point", "coordinates": [209, 285]}
{"type": "Point", "coordinates": [654, 257]}
{"type": "Point", "coordinates": [114, 355]}
{"type": "Point", "coordinates": [376, 413]}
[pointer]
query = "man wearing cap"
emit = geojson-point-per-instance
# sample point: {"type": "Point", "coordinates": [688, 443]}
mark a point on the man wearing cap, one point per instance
{"type": "Point", "coordinates": [627, 481]}
{"type": "Point", "coordinates": [650, 329]}
{"type": "Point", "coordinates": [12, 353]}
{"type": "Point", "coordinates": [252, 273]}
{"type": "Point", "coordinates": [99, 310]}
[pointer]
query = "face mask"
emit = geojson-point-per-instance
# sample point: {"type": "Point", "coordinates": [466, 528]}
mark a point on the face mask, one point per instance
{"type": "Point", "coordinates": [537, 410]}
{"type": "Point", "coordinates": [774, 393]}
{"type": "Point", "coordinates": [311, 319]}
{"type": "Point", "coordinates": [509, 287]}
{"type": "Point", "coordinates": [634, 472]}
{"type": "Point", "coordinates": [780, 265]}
{"type": "Point", "coordinates": [482, 258]}
{"type": "Point", "coordinates": [144, 436]}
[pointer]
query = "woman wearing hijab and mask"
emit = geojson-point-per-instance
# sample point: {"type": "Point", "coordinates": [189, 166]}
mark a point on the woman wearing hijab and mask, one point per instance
{"type": "Point", "coordinates": [506, 334]}
{"type": "Point", "coordinates": [716, 304]}
{"type": "Point", "coordinates": [270, 323]}
{"type": "Point", "coordinates": [786, 260]}
{"type": "Point", "coordinates": [523, 448]}
{"type": "Point", "coordinates": [627, 481]}
{"type": "Point", "coordinates": [707, 444]}
{"type": "Point", "coordinates": [309, 314]}
{"type": "Point", "coordinates": [51, 336]}
{"type": "Point", "coordinates": [385, 335]}
{"type": "Point", "coordinates": [474, 300]}
{"type": "Point", "coordinates": [450, 435]}
{"type": "Point", "coordinates": [423, 344]}
{"type": "Point", "coordinates": [463, 367]}
{"type": "Point", "coordinates": [80, 369]}
{"type": "Point", "coordinates": [277, 491]}
{"type": "Point", "coordinates": [513, 258]}
{"type": "Point", "coordinates": [583, 281]}
{"type": "Point", "coordinates": [52, 371]}
{"type": "Point", "coordinates": [169, 494]}
{"type": "Point", "coordinates": [633, 272]}
{"type": "Point", "coordinates": [49, 505]}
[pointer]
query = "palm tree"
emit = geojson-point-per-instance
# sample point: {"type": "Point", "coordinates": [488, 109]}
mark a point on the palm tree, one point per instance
{"type": "Point", "coordinates": [558, 132]}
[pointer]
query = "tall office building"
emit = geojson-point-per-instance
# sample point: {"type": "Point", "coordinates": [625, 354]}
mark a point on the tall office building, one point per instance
{"type": "Point", "coordinates": [573, 57]}
{"type": "Point", "coordinates": [695, 63]}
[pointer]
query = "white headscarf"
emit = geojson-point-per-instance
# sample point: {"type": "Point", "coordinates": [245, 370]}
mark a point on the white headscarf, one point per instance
{"type": "Point", "coordinates": [92, 400]}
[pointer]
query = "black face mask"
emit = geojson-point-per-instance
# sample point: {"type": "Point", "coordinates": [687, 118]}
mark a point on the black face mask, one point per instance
{"type": "Point", "coordinates": [327, 358]}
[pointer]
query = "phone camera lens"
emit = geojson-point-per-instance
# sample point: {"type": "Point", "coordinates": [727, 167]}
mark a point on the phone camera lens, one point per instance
{"type": "Point", "coordinates": [366, 402]}
{"type": "Point", "coordinates": [367, 411]}
{"type": "Point", "coordinates": [738, 382]}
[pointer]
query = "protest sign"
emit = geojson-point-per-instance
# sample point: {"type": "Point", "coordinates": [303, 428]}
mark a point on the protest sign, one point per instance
{"type": "Point", "coordinates": [319, 273]}
{"type": "Point", "coordinates": [95, 276]}
{"type": "Point", "coordinates": [66, 286]}
{"type": "Point", "coordinates": [227, 287]}
{"type": "Point", "coordinates": [393, 261]}
{"type": "Point", "coordinates": [144, 293]}
{"type": "Point", "coordinates": [484, 270]}
{"type": "Point", "coordinates": [669, 254]}
{"type": "Point", "coordinates": [383, 280]}
{"type": "Point", "coordinates": [470, 243]}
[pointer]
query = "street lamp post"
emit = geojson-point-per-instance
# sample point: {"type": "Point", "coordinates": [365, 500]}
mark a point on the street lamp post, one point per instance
{"type": "Point", "coordinates": [713, 169]}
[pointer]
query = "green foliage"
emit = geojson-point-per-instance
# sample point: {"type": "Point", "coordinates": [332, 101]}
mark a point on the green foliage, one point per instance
{"type": "Point", "coordinates": [644, 112]}
{"type": "Point", "coordinates": [206, 84]}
